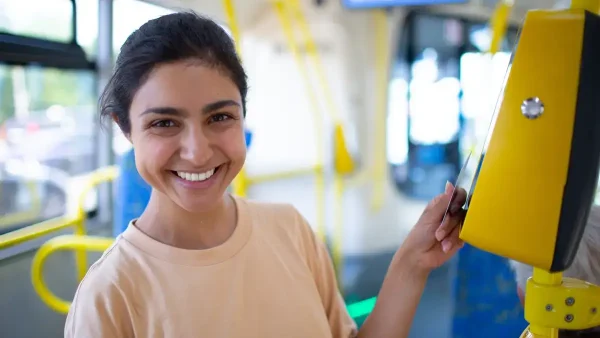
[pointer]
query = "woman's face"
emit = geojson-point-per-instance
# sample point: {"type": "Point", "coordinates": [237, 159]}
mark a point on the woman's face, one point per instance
{"type": "Point", "coordinates": [187, 130]}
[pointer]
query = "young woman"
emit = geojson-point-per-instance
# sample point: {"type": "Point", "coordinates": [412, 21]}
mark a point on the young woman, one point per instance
{"type": "Point", "coordinates": [202, 263]}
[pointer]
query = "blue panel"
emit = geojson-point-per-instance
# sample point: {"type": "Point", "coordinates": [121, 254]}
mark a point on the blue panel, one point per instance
{"type": "Point", "coordinates": [430, 154]}
{"type": "Point", "coordinates": [396, 3]}
{"type": "Point", "coordinates": [133, 193]}
{"type": "Point", "coordinates": [486, 301]}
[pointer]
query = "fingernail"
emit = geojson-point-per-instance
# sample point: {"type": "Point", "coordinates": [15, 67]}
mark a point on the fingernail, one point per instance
{"type": "Point", "coordinates": [448, 187]}
{"type": "Point", "coordinates": [446, 246]}
{"type": "Point", "coordinates": [440, 234]}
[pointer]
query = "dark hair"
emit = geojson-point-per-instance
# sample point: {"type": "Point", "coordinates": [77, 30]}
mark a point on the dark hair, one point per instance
{"type": "Point", "coordinates": [169, 38]}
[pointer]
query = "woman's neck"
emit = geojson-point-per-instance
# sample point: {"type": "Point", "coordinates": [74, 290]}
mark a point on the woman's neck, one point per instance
{"type": "Point", "coordinates": [168, 223]}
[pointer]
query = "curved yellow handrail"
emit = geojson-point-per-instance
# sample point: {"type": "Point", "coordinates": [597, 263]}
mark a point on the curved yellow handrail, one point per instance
{"type": "Point", "coordinates": [66, 242]}
{"type": "Point", "coordinates": [97, 177]}
{"type": "Point", "coordinates": [78, 242]}
{"type": "Point", "coordinates": [76, 219]}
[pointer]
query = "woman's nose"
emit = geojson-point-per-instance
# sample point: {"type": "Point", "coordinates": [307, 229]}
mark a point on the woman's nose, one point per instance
{"type": "Point", "coordinates": [196, 147]}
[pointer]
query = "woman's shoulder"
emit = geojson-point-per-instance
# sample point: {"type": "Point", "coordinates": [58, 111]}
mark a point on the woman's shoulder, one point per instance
{"type": "Point", "coordinates": [276, 217]}
{"type": "Point", "coordinates": [109, 274]}
{"type": "Point", "coordinates": [102, 302]}
{"type": "Point", "coordinates": [279, 213]}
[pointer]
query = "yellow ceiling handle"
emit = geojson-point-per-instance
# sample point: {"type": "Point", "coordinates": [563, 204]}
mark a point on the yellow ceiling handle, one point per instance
{"type": "Point", "coordinates": [343, 161]}
{"type": "Point", "coordinates": [233, 25]}
{"type": "Point", "coordinates": [499, 24]}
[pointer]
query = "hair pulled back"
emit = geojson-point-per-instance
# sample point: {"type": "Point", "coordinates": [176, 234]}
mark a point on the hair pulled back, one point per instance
{"type": "Point", "coordinates": [169, 38]}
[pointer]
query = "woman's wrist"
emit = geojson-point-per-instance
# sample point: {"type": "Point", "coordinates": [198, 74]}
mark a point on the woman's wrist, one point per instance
{"type": "Point", "coordinates": [405, 264]}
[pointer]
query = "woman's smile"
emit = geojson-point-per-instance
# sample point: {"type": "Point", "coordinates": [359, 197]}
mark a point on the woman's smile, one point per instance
{"type": "Point", "coordinates": [197, 179]}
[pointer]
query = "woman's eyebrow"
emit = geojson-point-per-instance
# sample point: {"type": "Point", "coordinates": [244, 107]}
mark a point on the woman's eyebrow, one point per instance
{"type": "Point", "coordinates": [172, 111]}
{"type": "Point", "coordinates": [211, 107]}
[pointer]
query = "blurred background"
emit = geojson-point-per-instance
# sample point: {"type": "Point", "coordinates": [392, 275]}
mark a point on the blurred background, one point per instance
{"type": "Point", "coordinates": [404, 91]}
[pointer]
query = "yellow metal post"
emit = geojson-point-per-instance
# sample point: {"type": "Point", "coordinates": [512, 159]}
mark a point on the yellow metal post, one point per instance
{"type": "Point", "coordinates": [283, 13]}
{"type": "Point", "coordinates": [379, 148]}
{"type": "Point", "coordinates": [240, 182]}
{"type": "Point", "coordinates": [342, 160]}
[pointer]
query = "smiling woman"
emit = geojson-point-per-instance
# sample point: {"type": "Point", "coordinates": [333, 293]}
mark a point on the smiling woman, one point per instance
{"type": "Point", "coordinates": [186, 133]}
{"type": "Point", "coordinates": [199, 261]}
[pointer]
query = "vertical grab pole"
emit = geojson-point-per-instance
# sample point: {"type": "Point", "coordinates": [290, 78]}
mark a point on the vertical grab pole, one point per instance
{"type": "Point", "coordinates": [342, 159]}
{"type": "Point", "coordinates": [382, 67]}
{"type": "Point", "coordinates": [240, 182]}
{"type": "Point", "coordinates": [284, 18]}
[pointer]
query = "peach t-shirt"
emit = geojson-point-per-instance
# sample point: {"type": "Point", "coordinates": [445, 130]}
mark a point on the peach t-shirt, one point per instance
{"type": "Point", "coordinates": [271, 278]}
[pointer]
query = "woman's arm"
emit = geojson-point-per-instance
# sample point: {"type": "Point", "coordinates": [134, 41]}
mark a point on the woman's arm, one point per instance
{"type": "Point", "coordinates": [429, 245]}
{"type": "Point", "coordinates": [397, 302]}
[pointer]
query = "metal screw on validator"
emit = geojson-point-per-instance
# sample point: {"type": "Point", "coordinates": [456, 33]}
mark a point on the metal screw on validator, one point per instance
{"type": "Point", "coordinates": [570, 301]}
{"type": "Point", "coordinates": [549, 307]}
{"type": "Point", "coordinates": [532, 108]}
{"type": "Point", "coordinates": [568, 318]}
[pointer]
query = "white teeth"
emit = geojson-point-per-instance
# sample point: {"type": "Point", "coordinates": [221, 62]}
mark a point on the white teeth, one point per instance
{"type": "Point", "coordinates": [196, 177]}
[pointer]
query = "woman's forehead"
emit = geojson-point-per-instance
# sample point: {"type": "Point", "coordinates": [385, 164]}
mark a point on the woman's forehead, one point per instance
{"type": "Point", "coordinates": [182, 84]}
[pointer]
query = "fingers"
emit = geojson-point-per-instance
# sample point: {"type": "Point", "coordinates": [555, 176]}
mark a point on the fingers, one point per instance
{"type": "Point", "coordinates": [458, 201]}
{"type": "Point", "coordinates": [450, 223]}
{"type": "Point", "coordinates": [437, 206]}
{"type": "Point", "coordinates": [455, 216]}
{"type": "Point", "coordinates": [452, 242]}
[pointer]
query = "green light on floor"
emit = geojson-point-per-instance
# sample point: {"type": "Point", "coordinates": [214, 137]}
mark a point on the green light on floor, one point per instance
{"type": "Point", "coordinates": [361, 308]}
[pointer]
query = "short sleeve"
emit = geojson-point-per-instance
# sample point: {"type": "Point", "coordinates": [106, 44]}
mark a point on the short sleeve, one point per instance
{"type": "Point", "coordinates": [320, 263]}
{"type": "Point", "coordinates": [98, 310]}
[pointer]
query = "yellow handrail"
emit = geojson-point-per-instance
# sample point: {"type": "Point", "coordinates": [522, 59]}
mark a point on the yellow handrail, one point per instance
{"type": "Point", "coordinates": [96, 178]}
{"type": "Point", "coordinates": [66, 242]}
{"type": "Point", "coordinates": [35, 231]}
{"type": "Point", "coordinates": [76, 219]}
{"type": "Point", "coordinates": [317, 169]}
{"type": "Point", "coordinates": [78, 242]}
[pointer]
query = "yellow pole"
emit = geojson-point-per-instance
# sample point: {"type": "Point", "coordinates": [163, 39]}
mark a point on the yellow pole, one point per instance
{"type": "Point", "coordinates": [382, 66]}
{"type": "Point", "coordinates": [550, 279]}
{"type": "Point", "coordinates": [240, 183]}
{"type": "Point", "coordinates": [343, 161]}
{"type": "Point", "coordinates": [280, 10]}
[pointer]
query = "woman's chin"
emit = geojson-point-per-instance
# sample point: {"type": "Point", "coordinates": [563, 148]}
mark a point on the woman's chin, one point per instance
{"type": "Point", "coordinates": [200, 204]}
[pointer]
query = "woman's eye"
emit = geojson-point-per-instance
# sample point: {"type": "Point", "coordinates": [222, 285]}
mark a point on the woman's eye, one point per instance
{"type": "Point", "coordinates": [219, 118]}
{"type": "Point", "coordinates": [163, 124]}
